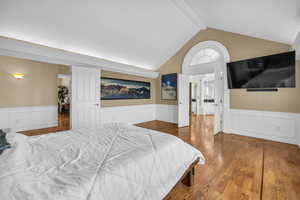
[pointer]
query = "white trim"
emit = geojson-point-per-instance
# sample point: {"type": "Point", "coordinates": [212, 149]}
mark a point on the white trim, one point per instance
{"type": "Point", "coordinates": [28, 118]}
{"type": "Point", "coordinates": [225, 58]}
{"type": "Point", "coordinates": [276, 126]}
{"type": "Point", "coordinates": [296, 46]}
{"type": "Point", "coordinates": [186, 69]}
{"type": "Point", "coordinates": [139, 113]}
{"type": "Point", "coordinates": [189, 13]}
{"type": "Point", "coordinates": [26, 50]}
{"type": "Point", "coordinates": [167, 113]}
{"type": "Point", "coordinates": [128, 114]}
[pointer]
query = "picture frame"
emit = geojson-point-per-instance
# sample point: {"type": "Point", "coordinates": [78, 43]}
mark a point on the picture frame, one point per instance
{"type": "Point", "coordinates": [123, 89]}
{"type": "Point", "coordinates": [169, 86]}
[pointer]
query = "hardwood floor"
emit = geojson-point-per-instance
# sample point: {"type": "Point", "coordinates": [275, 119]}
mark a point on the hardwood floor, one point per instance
{"type": "Point", "coordinates": [236, 167]}
{"type": "Point", "coordinates": [63, 125]}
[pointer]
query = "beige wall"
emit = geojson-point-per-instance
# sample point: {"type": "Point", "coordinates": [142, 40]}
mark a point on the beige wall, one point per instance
{"type": "Point", "coordinates": [240, 47]}
{"type": "Point", "coordinates": [285, 100]}
{"type": "Point", "coordinates": [38, 88]}
{"type": "Point", "coordinates": [110, 103]}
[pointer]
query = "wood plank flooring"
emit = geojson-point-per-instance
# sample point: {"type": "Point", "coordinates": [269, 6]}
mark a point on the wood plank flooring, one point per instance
{"type": "Point", "coordinates": [236, 167]}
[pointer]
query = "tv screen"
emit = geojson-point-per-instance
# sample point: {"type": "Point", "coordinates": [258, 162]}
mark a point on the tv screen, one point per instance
{"type": "Point", "coordinates": [275, 71]}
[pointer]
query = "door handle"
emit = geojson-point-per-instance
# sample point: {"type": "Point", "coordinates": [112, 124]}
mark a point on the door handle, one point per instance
{"type": "Point", "coordinates": [97, 104]}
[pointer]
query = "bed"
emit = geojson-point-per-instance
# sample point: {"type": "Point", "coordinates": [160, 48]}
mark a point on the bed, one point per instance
{"type": "Point", "coordinates": [115, 161]}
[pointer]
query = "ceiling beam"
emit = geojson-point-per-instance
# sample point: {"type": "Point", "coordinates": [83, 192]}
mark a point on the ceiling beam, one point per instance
{"type": "Point", "coordinates": [27, 50]}
{"type": "Point", "coordinates": [186, 10]}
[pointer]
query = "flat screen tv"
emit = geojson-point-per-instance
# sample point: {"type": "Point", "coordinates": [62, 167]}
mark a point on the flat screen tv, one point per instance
{"type": "Point", "coordinates": [275, 71]}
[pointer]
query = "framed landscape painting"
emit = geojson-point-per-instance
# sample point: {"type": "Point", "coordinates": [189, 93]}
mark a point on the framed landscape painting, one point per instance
{"type": "Point", "coordinates": [169, 87]}
{"type": "Point", "coordinates": [113, 89]}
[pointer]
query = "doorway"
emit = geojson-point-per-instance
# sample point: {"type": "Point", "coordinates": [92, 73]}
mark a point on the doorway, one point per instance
{"type": "Point", "coordinates": [64, 101]}
{"type": "Point", "coordinates": [202, 98]}
{"type": "Point", "coordinates": [61, 83]}
{"type": "Point", "coordinates": [202, 94]}
{"type": "Point", "coordinates": [205, 65]}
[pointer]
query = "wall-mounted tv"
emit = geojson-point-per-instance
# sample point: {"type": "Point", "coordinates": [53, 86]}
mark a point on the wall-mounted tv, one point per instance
{"type": "Point", "coordinates": [274, 71]}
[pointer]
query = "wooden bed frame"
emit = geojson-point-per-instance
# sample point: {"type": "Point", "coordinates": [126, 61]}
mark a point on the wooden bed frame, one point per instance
{"type": "Point", "coordinates": [187, 178]}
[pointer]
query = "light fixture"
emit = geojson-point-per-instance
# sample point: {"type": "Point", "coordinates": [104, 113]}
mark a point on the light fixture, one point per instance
{"type": "Point", "coordinates": [18, 75]}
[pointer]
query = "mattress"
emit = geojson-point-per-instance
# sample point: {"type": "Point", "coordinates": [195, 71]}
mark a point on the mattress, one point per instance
{"type": "Point", "coordinates": [113, 162]}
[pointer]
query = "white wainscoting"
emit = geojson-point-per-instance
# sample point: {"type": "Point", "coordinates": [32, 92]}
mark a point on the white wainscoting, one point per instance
{"type": "Point", "coordinates": [128, 114]}
{"type": "Point", "coordinates": [28, 118]}
{"type": "Point", "coordinates": [167, 113]}
{"type": "Point", "coordinates": [139, 113]}
{"type": "Point", "coordinates": [276, 126]}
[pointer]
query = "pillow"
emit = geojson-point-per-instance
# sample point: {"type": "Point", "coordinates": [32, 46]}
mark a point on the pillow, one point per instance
{"type": "Point", "coordinates": [3, 142]}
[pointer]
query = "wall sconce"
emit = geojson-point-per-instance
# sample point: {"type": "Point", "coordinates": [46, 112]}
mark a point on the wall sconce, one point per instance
{"type": "Point", "coordinates": [18, 76]}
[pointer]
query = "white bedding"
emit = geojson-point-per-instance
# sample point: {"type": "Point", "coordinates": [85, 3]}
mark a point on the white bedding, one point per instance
{"type": "Point", "coordinates": [110, 163]}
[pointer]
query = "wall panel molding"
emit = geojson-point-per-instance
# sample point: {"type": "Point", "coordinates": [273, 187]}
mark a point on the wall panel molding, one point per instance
{"type": "Point", "coordinates": [276, 126]}
{"type": "Point", "coordinates": [28, 118]}
{"type": "Point", "coordinates": [139, 113]}
{"type": "Point", "coordinates": [167, 113]}
{"type": "Point", "coordinates": [128, 114]}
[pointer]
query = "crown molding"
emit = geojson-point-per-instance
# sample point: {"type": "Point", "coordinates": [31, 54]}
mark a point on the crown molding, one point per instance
{"type": "Point", "coordinates": [296, 46]}
{"type": "Point", "coordinates": [186, 10]}
{"type": "Point", "coordinates": [27, 50]}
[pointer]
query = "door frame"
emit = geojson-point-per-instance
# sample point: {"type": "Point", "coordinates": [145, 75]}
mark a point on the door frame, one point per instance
{"type": "Point", "coordinates": [61, 75]}
{"type": "Point", "coordinates": [225, 58]}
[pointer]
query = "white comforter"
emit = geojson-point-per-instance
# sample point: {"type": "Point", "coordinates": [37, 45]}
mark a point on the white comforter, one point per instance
{"type": "Point", "coordinates": [114, 162]}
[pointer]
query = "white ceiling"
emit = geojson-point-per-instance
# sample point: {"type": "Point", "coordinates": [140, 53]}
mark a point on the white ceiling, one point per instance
{"type": "Point", "coordinates": [277, 20]}
{"type": "Point", "coordinates": [141, 33]}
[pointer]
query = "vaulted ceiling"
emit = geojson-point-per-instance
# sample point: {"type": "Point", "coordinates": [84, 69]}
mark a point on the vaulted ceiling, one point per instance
{"type": "Point", "coordinates": [142, 33]}
{"type": "Point", "coordinates": [277, 20]}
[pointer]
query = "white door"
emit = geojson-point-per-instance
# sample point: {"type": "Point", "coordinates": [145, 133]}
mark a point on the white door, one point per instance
{"type": "Point", "coordinates": [85, 97]}
{"type": "Point", "coordinates": [183, 100]}
{"type": "Point", "coordinates": [219, 99]}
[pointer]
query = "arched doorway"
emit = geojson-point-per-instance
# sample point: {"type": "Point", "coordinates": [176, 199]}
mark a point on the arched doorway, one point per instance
{"type": "Point", "coordinates": [208, 57]}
